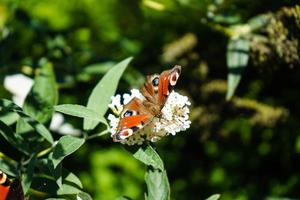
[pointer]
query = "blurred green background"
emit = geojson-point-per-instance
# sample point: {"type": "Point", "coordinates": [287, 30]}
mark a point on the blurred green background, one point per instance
{"type": "Point", "coordinates": [245, 148]}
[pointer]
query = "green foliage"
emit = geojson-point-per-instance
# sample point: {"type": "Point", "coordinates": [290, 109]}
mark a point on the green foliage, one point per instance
{"type": "Point", "coordinates": [65, 146]}
{"type": "Point", "coordinates": [237, 60]}
{"type": "Point", "coordinates": [43, 95]}
{"type": "Point", "coordinates": [214, 197]}
{"type": "Point", "coordinates": [80, 111]}
{"type": "Point", "coordinates": [68, 183]}
{"type": "Point", "coordinates": [149, 157]}
{"type": "Point", "coordinates": [103, 91]}
{"type": "Point", "coordinates": [157, 185]}
{"type": "Point", "coordinates": [244, 148]}
{"type": "Point", "coordinates": [156, 176]}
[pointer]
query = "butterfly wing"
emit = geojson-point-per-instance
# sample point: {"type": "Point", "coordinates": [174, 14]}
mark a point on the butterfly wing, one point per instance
{"type": "Point", "coordinates": [158, 87]}
{"type": "Point", "coordinates": [137, 113]}
{"type": "Point", "coordinates": [133, 117]}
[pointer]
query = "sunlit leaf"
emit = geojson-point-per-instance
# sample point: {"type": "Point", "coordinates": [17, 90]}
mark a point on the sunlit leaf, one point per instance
{"type": "Point", "coordinates": [66, 145]}
{"type": "Point", "coordinates": [9, 118]}
{"type": "Point", "coordinates": [214, 197]}
{"type": "Point", "coordinates": [70, 177]}
{"type": "Point", "coordinates": [68, 189]}
{"type": "Point", "coordinates": [80, 111]}
{"type": "Point", "coordinates": [258, 22]}
{"type": "Point", "coordinates": [27, 177]}
{"type": "Point", "coordinates": [157, 185]}
{"type": "Point", "coordinates": [100, 96]}
{"type": "Point", "coordinates": [84, 196]}
{"type": "Point", "coordinates": [98, 68]}
{"type": "Point", "coordinates": [154, 5]}
{"type": "Point", "coordinates": [149, 156]}
{"type": "Point", "coordinates": [237, 60]}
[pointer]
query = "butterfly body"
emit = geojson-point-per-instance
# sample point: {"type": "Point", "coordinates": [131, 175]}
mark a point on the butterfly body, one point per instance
{"type": "Point", "coordinates": [139, 112]}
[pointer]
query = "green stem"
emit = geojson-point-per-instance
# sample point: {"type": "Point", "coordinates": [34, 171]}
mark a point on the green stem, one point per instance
{"type": "Point", "coordinates": [44, 152]}
{"type": "Point", "coordinates": [97, 134]}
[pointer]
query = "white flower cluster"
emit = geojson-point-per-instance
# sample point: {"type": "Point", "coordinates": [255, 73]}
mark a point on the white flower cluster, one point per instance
{"type": "Point", "coordinates": [173, 119]}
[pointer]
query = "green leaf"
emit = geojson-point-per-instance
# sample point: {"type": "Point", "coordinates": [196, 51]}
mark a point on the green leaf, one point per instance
{"type": "Point", "coordinates": [44, 184]}
{"type": "Point", "coordinates": [150, 157]}
{"type": "Point", "coordinates": [104, 132]}
{"type": "Point", "coordinates": [214, 197]}
{"type": "Point", "coordinates": [8, 168]}
{"type": "Point", "coordinates": [55, 171]}
{"type": "Point", "coordinates": [84, 196]}
{"type": "Point", "coordinates": [157, 185]}
{"type": "Point", "coordinates": [237, 60]}
{"type": "Point", "coordinates": [9, 118]}
{"type": "Point", "coordinates": [66, 145]}
{"type": "Point", "coordinates": [14, 139]}
{"type": "Point", "coordinates": [70, 177]}
{"type": "Point", "coordinates": [100, 96]}
{"type": "Point", "coordinates": [38, 127]}
{"type": "Point", "coordinates": [27, 177]}
{"type": "Point", "coordinates": [68, 189]}
{"type": "Point", "coordinates": [98, 68]}
{"type": "Point", "coordinates": [258, 21]}
{"type": "Point", "coordinates": [43, 94]}
{"type": "Point", "coordinates": [80, 111]}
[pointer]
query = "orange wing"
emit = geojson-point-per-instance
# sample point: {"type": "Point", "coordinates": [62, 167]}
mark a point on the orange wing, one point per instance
{"type": "Point", "coordinates": [10, 190]}
{"type": "Point", "coordinates": [4, 186]}
{"type": "Point", "coordinates": [133, 117]}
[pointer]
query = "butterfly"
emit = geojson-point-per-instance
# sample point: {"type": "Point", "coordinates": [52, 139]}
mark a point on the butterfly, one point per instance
{"type": "Point", "coordinates": [139, 112]}
{"type": "Point", "coordinates": [10, 190]}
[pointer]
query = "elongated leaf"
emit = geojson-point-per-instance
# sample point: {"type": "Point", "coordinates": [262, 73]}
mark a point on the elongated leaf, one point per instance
{"type": "Point", "coordinates": [84, 196]}
{"type": "Point", "coordinates": [66, 145]}
{"type": "Point", "coordinates": [38, 127]}
{"type": "Point", "coordinates": [55, 171]}
{"type": "Point", "coordinates": [214, 197]}
{"type": "Point", "coordinates": [157, 185]}
{"type": "Point", "coordinates": [100, 96]}
{"type": "Point", "coordinates": [80, 111]}
{"type": "Point", "coordinates": [43, 94]}
{"type": "Point", "coordinates": [237, 60]}
{"type": "Point", "coordinates": [98, 68]}
{"type": "Point", "coordinates": [70, 177]}
{"type": "Point", "coordinates": [68, 189]}
{"type": "Point", "coordinates": [149, 156]}
{"type": "Point", "coordinates": [258, 21]}
{"type": "Point", "coordinates": [9, 118]}
{"type": "Point", "coordinates": [8, 168]}
{"type": "Point", "coordinates": [15, 140]}
{"type": "Point", "coordinates": [27, 177]}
